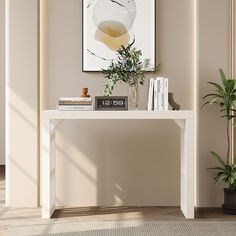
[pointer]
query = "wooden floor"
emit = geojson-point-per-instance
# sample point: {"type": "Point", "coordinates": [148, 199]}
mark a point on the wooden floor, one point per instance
{"type": "Point", "coordinates": [10, 216]}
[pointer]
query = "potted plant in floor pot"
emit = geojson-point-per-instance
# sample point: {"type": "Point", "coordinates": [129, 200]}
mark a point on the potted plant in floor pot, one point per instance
{"type": "Point", "coordinates": [224, 96]}
{"type": "Point", "coordinates": [128, 68]}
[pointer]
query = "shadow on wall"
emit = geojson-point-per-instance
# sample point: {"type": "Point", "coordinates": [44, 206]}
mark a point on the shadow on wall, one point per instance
{"type": "Point", "coordinates": [121, 165]}
{"type": "Point", "coordinates": [22, 153]}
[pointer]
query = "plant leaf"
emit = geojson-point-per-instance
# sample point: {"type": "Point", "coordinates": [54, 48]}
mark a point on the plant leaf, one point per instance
{"type": "Point", "coordinates": [216, 168]}
{"type": "Point", "coordinates": [222, 177]}
{"type": "Point", "coordinates": [218, 87]}
{"type": "Point", "coordinates": [231, 179]}
{"type": "Point", "coordinates": [234, 103]}
{"type": "Point", "coordinates": [213, 100]}
{"type": "Point", "coordinates": [222, 76]}
{"type": "Point", "coordinates": [218, 158]}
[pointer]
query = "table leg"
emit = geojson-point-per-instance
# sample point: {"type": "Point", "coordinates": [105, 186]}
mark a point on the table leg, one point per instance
{"type": "Point", "coordinates": [188, 169]}
{"type": "Point", "coordinates": [48, 169]}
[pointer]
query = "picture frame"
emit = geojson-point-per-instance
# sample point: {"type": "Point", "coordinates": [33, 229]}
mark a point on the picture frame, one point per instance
{"type": "Point", "coordinates": [122, 23]}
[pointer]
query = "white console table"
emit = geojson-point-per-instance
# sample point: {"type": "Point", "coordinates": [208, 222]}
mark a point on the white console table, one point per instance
{"type": "Point", "coordinates": [184, 119]}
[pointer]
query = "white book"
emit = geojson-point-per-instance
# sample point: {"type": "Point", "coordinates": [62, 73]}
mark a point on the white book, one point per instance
{"type": "Point", "coordinates": [155, 96]}
{"type": "Point", "coordinates": [75, 108]}
{"type": "Point", "coordinates": [161, 94]}
{"type": "Point", "coordinates": [157, 99]}
{"type": "Point", "coordinates": [166, 90]}
{"type": "Point", "coordinates": [75, 99]}
{"type": "Point", "coordinates": [150, 95]}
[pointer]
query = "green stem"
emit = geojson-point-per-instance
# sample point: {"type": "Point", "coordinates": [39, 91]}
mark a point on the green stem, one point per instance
{"type": "Point", "coordinates": [228, 141]}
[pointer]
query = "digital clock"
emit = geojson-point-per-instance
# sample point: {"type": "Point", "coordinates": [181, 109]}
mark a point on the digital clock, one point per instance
{"type": "Point", "coordinates": [119, 103]}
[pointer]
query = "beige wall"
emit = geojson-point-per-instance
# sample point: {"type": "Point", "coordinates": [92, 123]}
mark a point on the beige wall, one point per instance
{"type": "Point", "coordinates": [21, 103]}
{"type": "Point", "coordinates": [116, 162]}
{"type": "Point", "coordinates": [2, 81]}
{"type": "Point", "coordinates": [213, 54]}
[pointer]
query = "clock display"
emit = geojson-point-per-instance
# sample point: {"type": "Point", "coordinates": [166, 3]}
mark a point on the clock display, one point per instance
{"type": "Point", "coordinates": [111, 103]}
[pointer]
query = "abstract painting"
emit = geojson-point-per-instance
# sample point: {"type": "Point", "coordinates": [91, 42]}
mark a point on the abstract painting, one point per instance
{"type": "Point", "coordinates": [108, 24]}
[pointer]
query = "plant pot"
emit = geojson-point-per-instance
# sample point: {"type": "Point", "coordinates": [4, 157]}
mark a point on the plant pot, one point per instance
{"type": "Point", "coordinates": [229, 206]}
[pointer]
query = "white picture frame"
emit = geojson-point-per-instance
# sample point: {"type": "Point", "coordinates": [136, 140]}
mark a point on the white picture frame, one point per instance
{"type": "Point", "coordinates": [110, 23]}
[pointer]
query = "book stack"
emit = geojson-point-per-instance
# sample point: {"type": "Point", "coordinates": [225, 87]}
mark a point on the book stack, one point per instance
{"type": "Point", "coordinates": [158, 94]}
{"type": "Point", "coordinates": [75, 104]}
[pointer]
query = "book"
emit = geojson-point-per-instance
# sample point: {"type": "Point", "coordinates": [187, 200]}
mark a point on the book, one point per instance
{"type": "Point", "coordinates": [166, 90]}
{"type": "Point", "coordinates": [75, 99]}
{"type": "Point", "coordinates": [75, 108]}
{"type": "Point", "coordinates": [150, 95]}
{"type": "Point", "coordinates": [161, 95]}
{"type": "Point", "coordinates": [158, 94]}
{"type": "Point", "coordinates": [155, 95]}
{"type": "Point", "coordinates": [71, 103]}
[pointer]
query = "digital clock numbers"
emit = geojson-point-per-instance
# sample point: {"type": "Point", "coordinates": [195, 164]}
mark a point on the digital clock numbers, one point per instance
{"type": "Point", "coordinates": [111, 103]}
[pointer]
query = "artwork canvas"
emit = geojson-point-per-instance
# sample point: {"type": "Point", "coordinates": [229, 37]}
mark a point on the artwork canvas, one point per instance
{"type": "Point", "coordinates": [108, 24]}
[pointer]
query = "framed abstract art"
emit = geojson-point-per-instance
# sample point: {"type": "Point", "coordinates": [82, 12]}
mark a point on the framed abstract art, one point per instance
{"type": "Point", "coordinates": [108, 24]}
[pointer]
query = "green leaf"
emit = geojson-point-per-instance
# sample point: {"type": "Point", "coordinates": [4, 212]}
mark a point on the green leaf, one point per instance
{"type": "Point", "coordinates": [218, 87]}
{"type": "Point", "coordinates": [216, 168]}
{"type": "Point", "coordinates": [234, 103]}
{"type": "Point", "coordinates": [205, 104]}
{"type": "Point", "coordinates": [222, 76]}
{"type": "Point", "coordinates": [212, 94]}
{"type": "Point", "coordinates": [218, 158]}
{"type": "Point", "coordinates": [222, 177]}
{"type": "Point", "coordinates": [229, 87]}
{"type": "Point", "coordinates": [213, 100]}
{"type": "Point", "coordinates": [233, 175]}
{"type": "Point", "coordinates": [231, 180]}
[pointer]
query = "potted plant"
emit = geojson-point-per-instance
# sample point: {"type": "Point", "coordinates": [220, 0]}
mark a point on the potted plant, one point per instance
{"type": "Point", "coordinates": [224, 96]}
{"type": "Point", "coordinates": [128, 68]}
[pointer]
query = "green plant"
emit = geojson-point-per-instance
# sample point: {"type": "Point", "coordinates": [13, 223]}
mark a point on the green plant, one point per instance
{"type": "Point", "coordinates": [224, 96]}
{"type": "Point", "coordinates": [127, 68]}
{"type": "Point", "coordinates": [226, 172]}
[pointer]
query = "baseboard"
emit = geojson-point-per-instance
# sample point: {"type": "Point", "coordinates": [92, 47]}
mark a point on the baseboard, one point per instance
{"type": "Point", "coordinates": [206, 211]}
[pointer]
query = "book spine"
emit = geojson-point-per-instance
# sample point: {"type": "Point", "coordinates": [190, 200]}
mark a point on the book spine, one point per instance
{"type": "Point", "coordinates": [150, 95]}
{"type": "Point", "coordinates": [74, 99]}
{"type": "Point", "coordinates": [158, 79]}
{"type": "Point", "coordinates": [72, 103]}
{"type": "Point", "coordinates": [75, 108]}
{"type": "Point", "coordinates": [161, 96]}
{"type": "Point", "coordinates": [166, 90]}
{"type": "Point", "coordinates": [155, 97]}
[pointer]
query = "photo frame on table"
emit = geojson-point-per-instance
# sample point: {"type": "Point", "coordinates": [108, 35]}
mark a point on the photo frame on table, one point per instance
{"type": "Point", "coordinates": [108, 24]}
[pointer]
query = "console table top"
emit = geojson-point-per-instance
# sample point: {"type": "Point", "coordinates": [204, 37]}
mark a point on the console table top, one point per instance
{"type": "Point", "coordinates": [137, 114]}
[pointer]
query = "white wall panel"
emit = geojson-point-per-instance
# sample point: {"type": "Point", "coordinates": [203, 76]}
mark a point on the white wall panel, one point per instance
{"type": "Point", "coordinates": [22, 103]}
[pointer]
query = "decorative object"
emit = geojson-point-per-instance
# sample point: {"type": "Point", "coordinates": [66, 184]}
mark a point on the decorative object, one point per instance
{"type": "Point", "coordinates": [224, 96]}
{"type": "Point", "coordinates": [133, 97]}
{"type": "Point", "coordinates": [111, 103]}
{"type": "Point", "coordinates": [85, 93]}
{"type": "Point", "coordinates": [127, 68]}
{"type": "Point", "coordinates": [173, 104]}
{"type": "Point", "coordinates": [109, 24]}
{"type": "Point", "coordinates": [226, 174]}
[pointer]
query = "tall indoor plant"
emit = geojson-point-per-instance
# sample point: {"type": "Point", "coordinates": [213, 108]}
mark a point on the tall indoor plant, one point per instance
{"type": "Point", "coordinates": [224, 97]}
